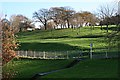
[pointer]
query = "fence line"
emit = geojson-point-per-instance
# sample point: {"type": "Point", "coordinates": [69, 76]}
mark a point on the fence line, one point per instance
{"type": "Point", "coordinates": [46, 55]}
{"type": "Point", "coordinates": [66, 54]}
{"type": "Point", "coordinates": [104, 53]}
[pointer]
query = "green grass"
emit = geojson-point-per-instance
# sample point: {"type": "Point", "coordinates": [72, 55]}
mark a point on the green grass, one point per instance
{"type": "Point", "coordinates": [62, 33]}
{"type": "Point", "coordinates": [27, 68]}
{"type": "Point", "coordinates": [67, 39]}
{"type": "Point", "coordinates": [55, 40]}
{"type": "Point", "coordinates": [100, 68]}
{"type": "Point", "coordinates": [78, 39]}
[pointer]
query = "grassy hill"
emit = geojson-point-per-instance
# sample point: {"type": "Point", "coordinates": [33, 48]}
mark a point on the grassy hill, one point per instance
{"type": "Point", "coordinates": [64, 39]}
{"type": "Point", "coordinates": [68, 39]}
{"type": "Point", "coordinates": [88, 69]}
{"type": "Point", "coordinates": [78, 39]}
{"type": "Point", "coordinates": [24, 69]}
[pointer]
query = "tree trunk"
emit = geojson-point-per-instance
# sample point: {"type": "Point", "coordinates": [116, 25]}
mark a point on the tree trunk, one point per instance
{"type": "Point", "coordinates": [45, 25]}
{"type": "Point", "coordinates": [61, 26]}
{"type": "Point", "coordinates": [68, 24]}
{"type": "Point", "coordinates": [72, 26]}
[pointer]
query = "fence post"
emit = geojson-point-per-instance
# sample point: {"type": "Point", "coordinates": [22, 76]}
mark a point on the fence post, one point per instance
{"type": "Point", "coordinates": [106, 55]}
{"type": "Point", "coordinates": [67, 55]}
{"type": "Point", "coordinates": [26, 53]}
{"type": "Point", "coordinates": [55, 55]}
{"type": "Point", "coordinates": [81, 55]}
{"type": "Point", "coordinates": [30, 53]}
{"type": "Point", "coordinates": [39, 54]}
{"type": "Point", "coordinates": [91, 50]}
{"type": "Point", "coordinates": [34, 53]}
{"type": "Point", "coordinates": [91, 54]}
{"type": "Point", "coordinates": [44, 55]}
{"type": "Point", "coordinates": [22, 53]}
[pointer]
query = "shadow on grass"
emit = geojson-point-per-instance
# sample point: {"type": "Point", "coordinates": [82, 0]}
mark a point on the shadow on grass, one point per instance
{"type": "Point", "coordinates": [90, 36]}
{"type": "Point", "coordinates": [47, 47]}
{"type": "Point", "coordinates": [86, 36]}
{"type": "Point", "coordinates": [56, 37]}
{"type": "Point", "coordinates": [111, 28]}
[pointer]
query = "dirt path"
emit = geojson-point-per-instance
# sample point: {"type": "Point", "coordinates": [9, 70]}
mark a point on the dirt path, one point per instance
{"type": "Point", "coordinates": [73, 63]}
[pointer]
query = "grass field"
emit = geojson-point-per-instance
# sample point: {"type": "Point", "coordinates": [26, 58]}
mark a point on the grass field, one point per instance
{"type": "Point", "coordinates": [26, 68]}
{"type": "Point", "coordinates": [71, 39]}
{"type": "Point", "coordinates": [102, 68]}
{"type": "Point", "coordinates": [78, 39]}
{"type": "Point", "coordinates": [68, 39]}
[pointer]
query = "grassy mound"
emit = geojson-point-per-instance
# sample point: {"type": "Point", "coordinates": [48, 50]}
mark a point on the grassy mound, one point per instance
{"type": "Point", "coordinates": [26, 68]}
{"type": "Point", "coordinates": [102, 68]}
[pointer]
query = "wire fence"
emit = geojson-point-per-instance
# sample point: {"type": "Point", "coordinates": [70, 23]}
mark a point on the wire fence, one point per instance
{"type": "Point", "coordinates": [48, 55]}
{"type": "Point", "coordinates": [95, 54]}
{"type": "Point", "coordinates": [104, 53]}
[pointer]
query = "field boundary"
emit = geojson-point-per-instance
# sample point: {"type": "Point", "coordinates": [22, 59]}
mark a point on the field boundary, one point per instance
{"type": "Point", "coordinates": [65, 54]}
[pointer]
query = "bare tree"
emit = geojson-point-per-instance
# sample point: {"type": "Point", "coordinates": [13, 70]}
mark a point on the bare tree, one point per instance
{"type": "Point", "coordinates": [56, 15]}
{"type": "Point", "coordinates": [51, 25]}
{"type": "Point", "coordinates": [105, 13]}
{"type": "Point", "coordinates": [62, 15]}
{"type": "Point", "coordinates": [19, 22]}
{"type": "Point", "coordinates": [77, 20]}
{"type": "Point", "coordinates": [67, 14]}
{"type": "Point", "coordinates": [42, 16]}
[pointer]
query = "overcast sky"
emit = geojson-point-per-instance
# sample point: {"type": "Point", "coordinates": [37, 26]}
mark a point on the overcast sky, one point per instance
{"type": "Point", "coordinates": [28, 7]}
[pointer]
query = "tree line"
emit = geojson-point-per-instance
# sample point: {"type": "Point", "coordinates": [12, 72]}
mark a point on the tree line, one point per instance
{"type": "Point", "coordinates": [109, 16]}
{"type": "Point", "coordinates": [65, 17]}
{"type": "Point", "coordinates": [62, 17]}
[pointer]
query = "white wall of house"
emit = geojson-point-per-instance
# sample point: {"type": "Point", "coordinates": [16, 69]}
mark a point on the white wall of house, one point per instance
{"type": "Point", "coordinates": [37, 25]}
{"type": "Point", "coordinates": [29, 29]}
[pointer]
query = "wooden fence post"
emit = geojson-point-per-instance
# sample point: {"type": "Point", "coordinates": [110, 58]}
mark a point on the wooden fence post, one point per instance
{"type": "Point", "coordinates": [39, 54]}
{"type": "Point", "coordinates": [22, 52]}
{"type": "Point", "coordinates": [26, 53]}
{"type": "Point", "coordinates": [55, 56]}
{"type": "Point", "coordinates": [34, 53]}
{"type": "Point", "coordinates": [44, 55]}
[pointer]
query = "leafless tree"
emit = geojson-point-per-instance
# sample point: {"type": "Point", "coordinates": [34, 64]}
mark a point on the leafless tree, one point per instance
{"type": "Point", "coordinates": [77, 20]}
{"type": "Point", "coordinates": [42, 16]}
{"type": "Point", "coordinates": [105, 13]}
{"type": "Point", "coordinates": [62, 15]}
{"type": "Point", "coordinates": [19, 22]}
{"type": "Point", "coordinates": [68, 13]}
